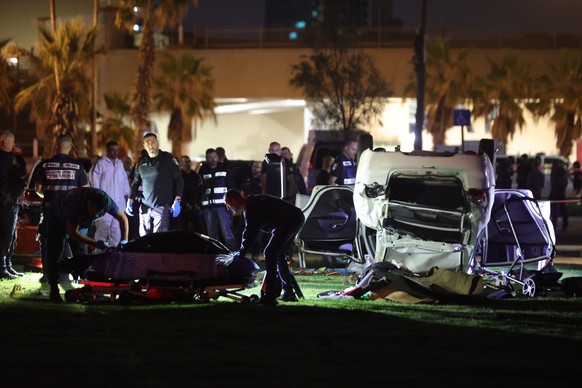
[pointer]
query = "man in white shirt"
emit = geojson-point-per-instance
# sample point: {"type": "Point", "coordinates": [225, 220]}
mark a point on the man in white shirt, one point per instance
{"type": "Point", "coordinates": [108, 174]}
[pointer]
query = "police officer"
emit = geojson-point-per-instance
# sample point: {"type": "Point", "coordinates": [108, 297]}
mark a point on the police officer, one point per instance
{"type": "Point", "coordinates": [190, 216]}
{"type": "Point", "coordinates": [343, 170]}
{"type": "Point", "coordinates": [12, 172]}
{"type": "Point", "coordinates": [283, 221]}
{"type": "Point", "coordinates": [158, 174]}
{"type": "Point", "coordinates": [217, 179]}
{"type": "Point", "coordinates": [56, 176]}
{"type": "Point", "coordinates": [271, 175]}
{"type": "Point", "coordinates": [66, 216]}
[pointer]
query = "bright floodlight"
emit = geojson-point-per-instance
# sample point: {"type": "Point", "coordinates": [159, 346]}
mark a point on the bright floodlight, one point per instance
{"type": "Point", "coordinates": [135, 27]}
{"type": "Point", "coordinates": [13, 60]}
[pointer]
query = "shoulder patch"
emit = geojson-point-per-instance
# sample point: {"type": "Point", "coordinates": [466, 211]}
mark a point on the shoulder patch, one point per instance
{"type": "Point", "coordinates": [175, 161]}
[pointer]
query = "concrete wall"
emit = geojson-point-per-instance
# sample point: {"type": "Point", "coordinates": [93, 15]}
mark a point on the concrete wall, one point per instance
{"type": "Point", "coordinates": [265, 73]}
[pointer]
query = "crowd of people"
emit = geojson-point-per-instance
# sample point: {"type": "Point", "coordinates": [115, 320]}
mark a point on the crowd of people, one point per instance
{"type": "Point", "coordinates": [93, 208]}
{"type": "Point", "coordinates": [529, 174]}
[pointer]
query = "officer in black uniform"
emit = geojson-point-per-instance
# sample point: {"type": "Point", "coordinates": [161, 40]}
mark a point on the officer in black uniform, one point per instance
{"type": "Point", "coordinates": [158, 174]}
{"type": "Point", "coordinates": [12, 172]}
{"type": "Point", "coordinates": [271, 174]}
{"type": "Point", "coordinates": [283, 221]}
{"type": "Point", "coordinates": [217, 178]}
{"type": "Point", "coordinates": [56, 176]}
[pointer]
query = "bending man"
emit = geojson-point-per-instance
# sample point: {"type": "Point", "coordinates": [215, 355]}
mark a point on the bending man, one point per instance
{"type": "Point", "coordinates": [66, 216]}
{"type": "Point", "coordinates": [283, 221]}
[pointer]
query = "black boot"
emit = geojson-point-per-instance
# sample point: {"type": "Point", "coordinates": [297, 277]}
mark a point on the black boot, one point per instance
{"type": "Point", "coordinates": [55, 296]}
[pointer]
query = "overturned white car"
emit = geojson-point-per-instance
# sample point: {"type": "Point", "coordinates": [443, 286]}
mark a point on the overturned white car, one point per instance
{"type": "Point", "coordinates": [428, 209]}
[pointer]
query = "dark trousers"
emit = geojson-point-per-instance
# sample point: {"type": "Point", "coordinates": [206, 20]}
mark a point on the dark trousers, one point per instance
{"type": "Point", "coordinates": [557, 210]}
{"type": "Point", "coordinates": [55, 246]}
{"type": "Point", "coordinates": [276, 253]}
{"type": "Point", "coordinates": [8, 219]}
{"type": "Point", "coordinates": [154, 219]}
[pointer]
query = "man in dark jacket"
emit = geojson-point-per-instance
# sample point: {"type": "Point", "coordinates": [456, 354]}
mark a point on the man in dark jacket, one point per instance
{"type": "Point", "coordinates": [162, 185]}
{"type": "Point", "coordinates": [66, 216]}
{"type": "Point", "coordinates": [283, 221]}
{"type": "Point", "coordinates": [193, 189]}
{"type": "Point", "coordinates": [56, 176]}
{"type": "Point", "coordinates": [12, 172]}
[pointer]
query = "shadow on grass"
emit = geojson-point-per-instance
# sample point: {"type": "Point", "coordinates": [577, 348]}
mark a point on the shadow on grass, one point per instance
{"type": "Point", "coordinates": [311, 343]}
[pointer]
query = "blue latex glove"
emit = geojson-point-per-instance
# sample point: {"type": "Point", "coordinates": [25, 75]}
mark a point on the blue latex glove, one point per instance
{"type": "Point", "coordinates": [176, 208]}
{"type": "Point", "coordinates": [122, 244]}
{"type": "Point", "coordinates": [102, 245]}
{"type": "Point", "coordinates": [129, 208]}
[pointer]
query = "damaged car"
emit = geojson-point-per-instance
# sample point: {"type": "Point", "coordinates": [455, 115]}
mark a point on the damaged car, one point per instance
{"type": "Point", "coordinates": [423, 209]}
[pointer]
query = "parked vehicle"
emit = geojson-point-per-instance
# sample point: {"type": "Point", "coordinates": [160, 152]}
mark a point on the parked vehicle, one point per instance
{"type": "Point", "coordinates": [30, 203]}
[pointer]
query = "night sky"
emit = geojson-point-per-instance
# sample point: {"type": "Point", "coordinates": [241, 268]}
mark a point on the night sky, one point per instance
{"type": "Point", "coordinates": [508, 15]}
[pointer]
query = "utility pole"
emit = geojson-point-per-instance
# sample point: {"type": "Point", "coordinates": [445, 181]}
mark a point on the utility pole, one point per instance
{"type": "Point", "coordinates": [420, 70]}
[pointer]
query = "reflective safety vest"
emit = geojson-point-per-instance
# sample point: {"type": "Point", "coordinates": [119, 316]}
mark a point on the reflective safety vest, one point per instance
{"type": "Point", "coordinates": [59, 174]}
{"type": "Point", "coordinates": [216, 183]}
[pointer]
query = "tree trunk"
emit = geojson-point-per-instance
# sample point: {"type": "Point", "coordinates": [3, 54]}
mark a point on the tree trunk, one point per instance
{"type": "Point", "coordinates": [64, 122]}
{"type": "Point", "coordinates": [94, 85]}
{"type": "Point", "coordinates": [419, 67]}
{"type": "Point", "coordinates": [186, 135]}
{"type": "Point", "coordinates": [141, 103]}
{"type": "Point", "coordinates": [53, 13]}
{"type": "Point", "coordinates": [175, 128]}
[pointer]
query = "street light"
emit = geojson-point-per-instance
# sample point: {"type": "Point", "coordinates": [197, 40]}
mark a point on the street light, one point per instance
{"type": "Point", "coordinates": [13, 63]}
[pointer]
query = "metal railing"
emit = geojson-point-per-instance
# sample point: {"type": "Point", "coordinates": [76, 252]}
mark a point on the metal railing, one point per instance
{"type": "Point", "coordinates": [375, 37]}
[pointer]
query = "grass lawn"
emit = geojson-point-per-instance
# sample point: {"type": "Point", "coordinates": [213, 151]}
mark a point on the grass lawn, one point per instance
{"type": "Point", "coordinates": [523, 342]}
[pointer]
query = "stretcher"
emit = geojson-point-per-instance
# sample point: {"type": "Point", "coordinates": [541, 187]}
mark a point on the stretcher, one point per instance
{"type": "Point", "coordinates": [168, 266]}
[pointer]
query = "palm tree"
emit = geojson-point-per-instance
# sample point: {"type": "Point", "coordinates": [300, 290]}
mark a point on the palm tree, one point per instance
{"type": "Point", "coordinates": [153, 14]}
{"type": "Point", "coordinates": [562, 95]}
{"type": "Point", "coordinates": [7, 83]}
{"type": "Point", "coordinates": [502, 93]}
{"type": "Point", "coordinates": [185, 89]}
{"type": "Point", "coordinates": [449, 84]}
{"type": "Point", "coordinates": [115, 126]}
{"type": "Point", "coordinates": [61, 90]}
